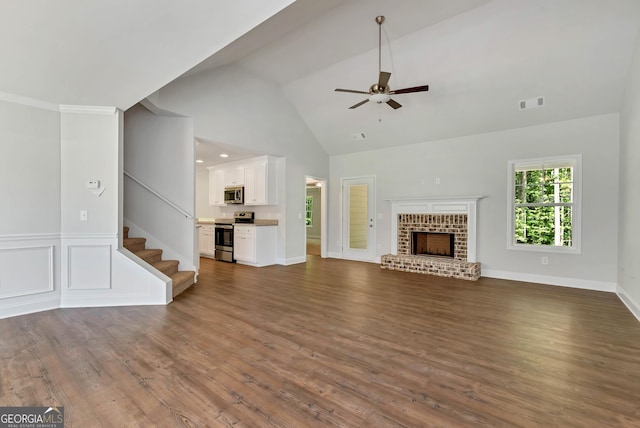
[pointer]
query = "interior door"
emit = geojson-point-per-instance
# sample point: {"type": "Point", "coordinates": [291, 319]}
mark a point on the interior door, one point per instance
{"type": "Point", "coordinates": [358, 231]}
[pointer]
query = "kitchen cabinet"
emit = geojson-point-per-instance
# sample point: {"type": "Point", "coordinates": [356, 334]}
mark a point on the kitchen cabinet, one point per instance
{"type": "Point", "coordinates": [258, 176]}
{"type": "Point", "coordinates": [216, 187]}
{"type": "Point", "coordinates": [260, 187]}
{"type": "Point", "coordinates": [207, 241]}
{"type": "Point", "coordinates": [254, 245]}
{"type": "Point", "coordinates": [234, 176]}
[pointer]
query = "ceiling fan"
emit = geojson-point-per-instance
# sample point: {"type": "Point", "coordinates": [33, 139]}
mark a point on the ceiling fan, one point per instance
{"type": "Point", "coordinates": [380, 92]}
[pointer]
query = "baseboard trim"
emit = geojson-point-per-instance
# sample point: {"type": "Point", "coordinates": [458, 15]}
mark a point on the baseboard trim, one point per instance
{"type": "Point", "coordinates": [584, 284]}
{"type": "Point", "coordinates": [295, 260]}
{"type": "Point", "coordinates": [628, 301]}
{"type": "Point", "coordinates": [30, 306]}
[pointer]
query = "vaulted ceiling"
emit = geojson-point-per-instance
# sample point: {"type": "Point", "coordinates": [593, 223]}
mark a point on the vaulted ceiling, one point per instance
{"type": "Point", "coordinates": [479, 57]}
{"type": "Point", "coordinates": [115, 52]}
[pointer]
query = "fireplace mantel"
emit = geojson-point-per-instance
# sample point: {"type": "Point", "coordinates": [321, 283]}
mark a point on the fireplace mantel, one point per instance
{"type": "Point", "coordinates": [437, 205]}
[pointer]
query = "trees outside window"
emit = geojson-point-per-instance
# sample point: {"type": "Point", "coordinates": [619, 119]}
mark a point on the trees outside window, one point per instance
{"type": "Point", "coordinates": [544, 208]}
{"type": "Point", "coordinates": [309, 211]}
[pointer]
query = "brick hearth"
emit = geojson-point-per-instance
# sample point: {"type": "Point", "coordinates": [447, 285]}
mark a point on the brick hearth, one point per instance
{"type": "Point", "coordinates": [432, 265]}
{"type": "Point", "coordinates": [457, 223]}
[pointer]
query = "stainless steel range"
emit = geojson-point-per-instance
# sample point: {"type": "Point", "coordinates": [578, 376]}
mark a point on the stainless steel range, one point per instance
{"type": "Point", "coordinates": [223, 236]}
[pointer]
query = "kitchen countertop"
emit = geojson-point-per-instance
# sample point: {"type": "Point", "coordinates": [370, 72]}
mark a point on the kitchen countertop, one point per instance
{"type": "Point", "coordinates": [256, 222]}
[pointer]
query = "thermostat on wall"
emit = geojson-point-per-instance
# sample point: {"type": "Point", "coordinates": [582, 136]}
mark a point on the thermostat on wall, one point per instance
{"type": "Point", "coordinates": [93, 184]}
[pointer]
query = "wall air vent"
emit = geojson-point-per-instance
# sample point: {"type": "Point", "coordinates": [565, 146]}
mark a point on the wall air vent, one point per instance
{"type": "Point", "coordinates": [358, 136]}
{"type": "Point", "coordinates": [531, 103]}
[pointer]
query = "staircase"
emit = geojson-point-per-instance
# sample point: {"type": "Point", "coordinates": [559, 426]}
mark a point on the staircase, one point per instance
{"type": "Point", "coordinates": [182, 279]}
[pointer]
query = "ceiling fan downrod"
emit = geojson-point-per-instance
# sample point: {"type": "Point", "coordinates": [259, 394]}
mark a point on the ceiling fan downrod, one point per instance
{"type": "Point", "coordinates": [379, 21]}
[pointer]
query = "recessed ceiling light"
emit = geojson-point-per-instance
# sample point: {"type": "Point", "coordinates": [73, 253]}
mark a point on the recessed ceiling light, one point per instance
{"type": "Point", "coordinates": [199, 161]}
{"type": "Point", "coordinates": [319, 184]}
{"type": "Point", "coordinates": [224, 155]}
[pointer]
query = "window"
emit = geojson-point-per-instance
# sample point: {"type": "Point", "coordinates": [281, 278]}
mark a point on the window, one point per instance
{"type": "Point", "coordinates": [309, 210]}
{"type": "Point", "coordinates": [544, 204]}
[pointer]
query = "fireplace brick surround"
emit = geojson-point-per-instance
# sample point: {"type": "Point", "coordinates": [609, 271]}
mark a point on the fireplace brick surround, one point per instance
{"type": "Point", "coordinates": [447, 215]}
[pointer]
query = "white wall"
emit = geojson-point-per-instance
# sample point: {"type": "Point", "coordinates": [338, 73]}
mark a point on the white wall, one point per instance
{"type": "Point", "coordinates": [29, 169]}
{"type": "Point", "coordinates": [477, 165]}
{"type": "Point", "coordinates": [629, 246]}
{"type": "Point", "coordinates": [160, 152]}
{"type": "Point", "coordinates": [231, 106]}
{"type": "Point", "coordinates": [89, 151]}
{"type": "Point", "coordinates": [203, 209]}
{"type": "Point", "coordinates": [30, 214]}
{"type": "Point", "coordinates": [94, 271]}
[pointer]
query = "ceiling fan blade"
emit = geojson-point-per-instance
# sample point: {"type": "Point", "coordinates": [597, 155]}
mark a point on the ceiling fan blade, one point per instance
{"type": "Point", "coordinates": [394, 104]}
{"type": "Point", "coordinates": [383, 79]}
{"type": "Point", "coordinates": [352, 91]}
{"type": "Point", "coordinates": [359, 104]}
{"type": "Point", "coordinates": [409, 90]}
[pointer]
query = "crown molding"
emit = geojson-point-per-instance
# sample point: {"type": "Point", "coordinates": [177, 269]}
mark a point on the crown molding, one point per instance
{"type": "Point", "coordinates": [31, 102]}
{"type": "Point", "coordinates": [78, 109]}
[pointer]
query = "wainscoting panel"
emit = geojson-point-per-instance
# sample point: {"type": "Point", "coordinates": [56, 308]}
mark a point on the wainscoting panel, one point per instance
{"type": "Point", "coordinates": [26, 270]}
{"type": "Point", "coordinates": [89, 267]}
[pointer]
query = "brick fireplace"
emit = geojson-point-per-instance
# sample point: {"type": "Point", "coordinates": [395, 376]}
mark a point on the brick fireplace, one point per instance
{"type": "Point", "coordinates": [450, 222]}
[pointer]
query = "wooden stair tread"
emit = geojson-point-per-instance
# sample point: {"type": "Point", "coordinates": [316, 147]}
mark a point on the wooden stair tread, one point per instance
{"type": "Point", "coordinates": [182, 280]}
{"type": "Point", "coordinates": [150, 255]}
{"type": "Point", "coordinates": [134, 244]}
{"type": "Point", "coordinates": [147, 252]}
{"type": "Point", "coordinates": [168, 267]}
{"type": "Point", "coordinates": [127, 241]}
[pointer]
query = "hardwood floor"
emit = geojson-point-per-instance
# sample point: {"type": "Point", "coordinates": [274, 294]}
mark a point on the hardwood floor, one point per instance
{"type": "Point", "coordinates": [313, 246]}
{"type": "Point", "coordinates": [333, 343]}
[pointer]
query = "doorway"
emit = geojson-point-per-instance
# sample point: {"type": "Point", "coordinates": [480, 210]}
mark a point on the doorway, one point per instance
{"type": "Point", "coordinates": [358, 226]}
{"type": "Point", "coordinates": [315, 216]}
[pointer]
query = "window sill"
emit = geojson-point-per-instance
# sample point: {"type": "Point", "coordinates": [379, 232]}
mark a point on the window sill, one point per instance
{"type": "Point", "coordinates": [544, 249]}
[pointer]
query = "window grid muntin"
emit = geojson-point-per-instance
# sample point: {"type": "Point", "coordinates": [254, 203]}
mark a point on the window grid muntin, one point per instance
{"type": "Point", "coordinates": [546, 179]}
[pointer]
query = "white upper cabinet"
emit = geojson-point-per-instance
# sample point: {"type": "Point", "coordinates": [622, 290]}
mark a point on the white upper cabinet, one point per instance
{"type": "Point", "coordinates": [234, 176]}
{"type": "Point", "coordinates": [216, 187]}
{"type": "Point", "coordinates": [260, 185]}
{"type": "Point", "coordinates": [259, 176]}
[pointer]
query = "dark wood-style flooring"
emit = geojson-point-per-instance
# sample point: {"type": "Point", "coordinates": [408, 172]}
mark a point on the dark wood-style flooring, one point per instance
{"type": "Point", "coordinates": [333, 343]}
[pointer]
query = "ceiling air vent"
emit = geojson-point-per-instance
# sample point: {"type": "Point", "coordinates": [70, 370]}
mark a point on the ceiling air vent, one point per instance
{"type": "Point", "coordinates": [358, 136]}
{"type": "Point", "coordinates": [531, 103]}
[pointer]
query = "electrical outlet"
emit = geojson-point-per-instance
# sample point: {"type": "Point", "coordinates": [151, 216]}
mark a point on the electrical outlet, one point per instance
{"type": "Point", "coordinates": [83, 215]}
{"type": "Point", "coordinates": [545, 260]}
{"type": "Point", "coordinates": [437, 180]}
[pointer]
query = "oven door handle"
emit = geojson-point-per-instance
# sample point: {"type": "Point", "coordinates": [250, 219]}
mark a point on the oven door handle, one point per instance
{"type": "Point", "coordinates": [223, 226]}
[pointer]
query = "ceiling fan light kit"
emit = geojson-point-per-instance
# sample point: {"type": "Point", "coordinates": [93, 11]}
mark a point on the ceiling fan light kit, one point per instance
{"type": "Point", "coordinates": [380, 98]}
{"type": "Point", "coordinates": [380, 92]}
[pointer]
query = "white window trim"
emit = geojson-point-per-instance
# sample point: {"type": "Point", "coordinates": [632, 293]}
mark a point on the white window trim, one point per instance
{"type": "Point", "coordinates": [576, 227]}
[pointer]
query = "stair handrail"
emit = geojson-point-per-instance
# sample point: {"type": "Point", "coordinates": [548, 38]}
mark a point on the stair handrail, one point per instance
{"type": "Point", "coordinates": [158, 195]}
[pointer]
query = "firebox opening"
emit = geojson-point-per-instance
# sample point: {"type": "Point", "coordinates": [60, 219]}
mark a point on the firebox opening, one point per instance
{"type": "Point", "coordinates": [432, 244]}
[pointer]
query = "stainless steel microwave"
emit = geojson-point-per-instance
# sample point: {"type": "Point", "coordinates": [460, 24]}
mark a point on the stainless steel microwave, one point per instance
{"type": "Point", "coordinates": [234, 195]}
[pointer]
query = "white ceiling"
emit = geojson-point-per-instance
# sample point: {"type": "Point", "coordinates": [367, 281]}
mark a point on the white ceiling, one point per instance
{"type": "Point", "coordinates": [115, 52]}
{"type": "Point", "coordinates": [479, 57]}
